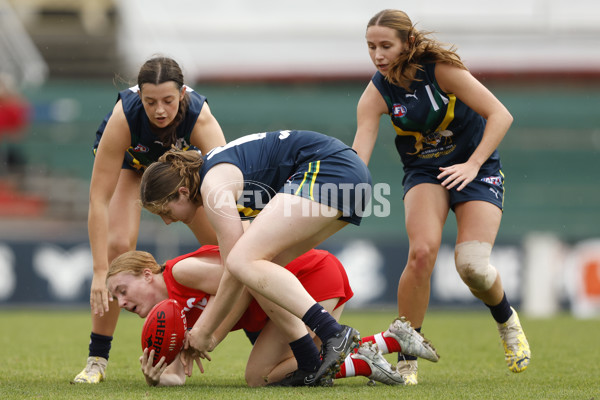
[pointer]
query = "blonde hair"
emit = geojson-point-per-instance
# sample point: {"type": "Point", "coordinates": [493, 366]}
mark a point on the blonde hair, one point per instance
{"type": "Point", "coordinates": [421, 48]}
{"type": "Point", "coordinates": [134, 262]}
{"type": "Point", "coordinates": [161, 180]}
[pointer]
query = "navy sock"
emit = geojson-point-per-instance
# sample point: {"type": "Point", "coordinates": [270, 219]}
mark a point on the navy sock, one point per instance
{"type": "Point", "coordinates": [402, 357]}
{"type": "Point", "coordinates": [306, 353]}
{"type": "Point", "coordinates": [502, 311]}
{"type": "Point", "coordinates": [321, 322]}
{"type": "Point", "coordinates": [99, 345]}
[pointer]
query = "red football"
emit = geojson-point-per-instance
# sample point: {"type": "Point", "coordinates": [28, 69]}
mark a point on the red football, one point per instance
{"type": "Point", "coordinates": [164, 330]}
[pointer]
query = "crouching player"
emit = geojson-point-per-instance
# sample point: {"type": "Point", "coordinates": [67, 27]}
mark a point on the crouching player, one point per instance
{"type": "Point", "coordinates": [138, 282]}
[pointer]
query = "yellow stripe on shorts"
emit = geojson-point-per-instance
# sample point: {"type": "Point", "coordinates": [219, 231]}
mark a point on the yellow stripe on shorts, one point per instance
{"type": "Point", "coordinates": [312, 179]}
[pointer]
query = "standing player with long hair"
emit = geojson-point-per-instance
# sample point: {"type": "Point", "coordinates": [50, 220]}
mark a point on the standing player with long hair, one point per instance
{"type": "Point", "coordinates": [448, 128]}
{"type": "Point", "coordinates": [147, 120]}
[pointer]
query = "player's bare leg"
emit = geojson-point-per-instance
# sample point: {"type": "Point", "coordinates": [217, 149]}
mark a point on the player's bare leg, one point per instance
{"type": "Point", "coordinates": [123, 227]}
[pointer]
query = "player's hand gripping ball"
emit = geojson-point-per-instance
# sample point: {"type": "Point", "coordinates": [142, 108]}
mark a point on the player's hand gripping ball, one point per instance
{"type": "Point", "coordinates": [164, 330]}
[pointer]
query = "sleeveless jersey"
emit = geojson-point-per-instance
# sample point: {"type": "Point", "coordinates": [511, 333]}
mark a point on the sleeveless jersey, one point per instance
{"type": "Point", "coordinates": [319, 271]}
{"type": "Point", "coordinates": [433, 128]}
{"type": "Point", "coordinates": [267, 160]}
{"type": "Point", "coordinates": [194, 301]}
{"type": "Point", "coordinates": [145, 148]}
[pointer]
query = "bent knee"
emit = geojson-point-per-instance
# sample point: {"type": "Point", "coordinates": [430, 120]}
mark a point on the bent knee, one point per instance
{"type": "Point", "coordinates": [473, 264]}
{"type": "Point", "coordinates": [238, 263]}
{"type": "Point", "coordinates": [254, 380]}
{"type": "Point", "coordinates": [233, 265]}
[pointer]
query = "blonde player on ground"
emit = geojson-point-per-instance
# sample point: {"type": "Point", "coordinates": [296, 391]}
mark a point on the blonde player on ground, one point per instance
{"type": "Point", "coordinates": [138, 283]}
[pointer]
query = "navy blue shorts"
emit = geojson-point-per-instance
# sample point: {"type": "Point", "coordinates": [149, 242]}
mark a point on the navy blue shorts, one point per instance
{"type": "Point", "coordinates": [485, 187]}
{"type": "Point", "coordinates": [341, 181]}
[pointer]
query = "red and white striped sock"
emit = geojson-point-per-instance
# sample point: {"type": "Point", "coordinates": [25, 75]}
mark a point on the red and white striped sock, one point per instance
{"type": "Point", "coordinates": [386, 344]}
{"type": "Point", "coordinates": [353, 367]}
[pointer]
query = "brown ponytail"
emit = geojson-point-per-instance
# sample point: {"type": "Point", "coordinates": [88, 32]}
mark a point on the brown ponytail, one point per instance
{"type": "Point", "coordinates": [161, 180]}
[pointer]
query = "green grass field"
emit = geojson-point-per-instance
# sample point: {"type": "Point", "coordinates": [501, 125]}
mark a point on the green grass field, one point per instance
{"type": "Point", "coordinates": [43, 350]}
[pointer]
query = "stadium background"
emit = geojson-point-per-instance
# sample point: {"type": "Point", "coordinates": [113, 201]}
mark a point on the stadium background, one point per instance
{"type": "Point", "coordinates": [268, 65]}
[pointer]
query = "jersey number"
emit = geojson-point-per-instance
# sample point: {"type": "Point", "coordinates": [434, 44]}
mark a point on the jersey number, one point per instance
{"type": "Point", "coordinates": [244, 139]}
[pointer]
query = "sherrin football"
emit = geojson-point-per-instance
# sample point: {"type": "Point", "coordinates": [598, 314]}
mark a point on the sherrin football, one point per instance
{"type": "Point", "coordinates": [164, 330]}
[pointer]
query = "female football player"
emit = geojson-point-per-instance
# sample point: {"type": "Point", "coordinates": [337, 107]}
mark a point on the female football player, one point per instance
{"type": "Point", "coordinates": [138, 282]}
{"type": "Point", "coordinates": [448, 126]}
{"type": "Point", "coordinates": [306, 185]}
{"type": "Point", "coordinates": [148, 119]}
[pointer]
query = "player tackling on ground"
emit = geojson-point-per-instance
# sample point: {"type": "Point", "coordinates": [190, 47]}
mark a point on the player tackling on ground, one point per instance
{"type": "Point", "coordinates": [138, 283]}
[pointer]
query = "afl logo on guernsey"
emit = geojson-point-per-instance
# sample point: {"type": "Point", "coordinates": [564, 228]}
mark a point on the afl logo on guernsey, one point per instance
{"type": "Point", "coordinates": [140, 148]}
{"type": "Point", "coordinates": [399, 110]}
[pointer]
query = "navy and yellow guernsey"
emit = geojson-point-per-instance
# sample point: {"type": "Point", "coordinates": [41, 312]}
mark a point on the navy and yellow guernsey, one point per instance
{"type": "Point", "coordinates": [295, 162]}
{"type": "Point", "coordinates": [434, 129]}
{"type": "Point", "coordinates": [145, 147]}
